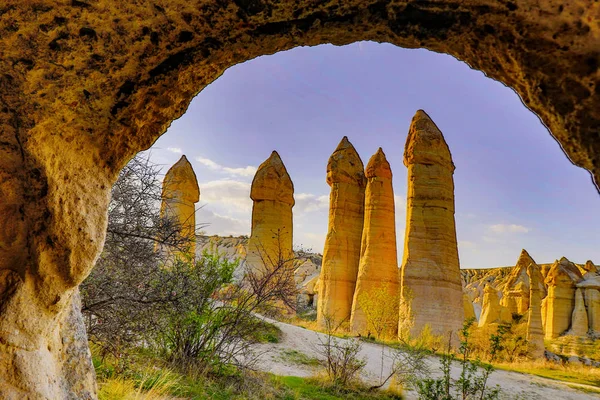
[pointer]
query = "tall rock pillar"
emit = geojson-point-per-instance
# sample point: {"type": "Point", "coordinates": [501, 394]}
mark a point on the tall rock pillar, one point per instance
{"type": "Point", "coordinates": [377, 281]}
{"type": "Point", "coordinates": [579, 320]}
{"type": "Point", "coordinates": [430, 275]}
{"type": "Point", "coordinates": [180, 193]}
{"type": "Point", "coordinates": [272, 192]}
{"type": "Point", "coordinates": [535, 330]}
{"type": "Point", "coordinates": [341, 256]}
{"type": "Point", "coordinates": [560, 302]}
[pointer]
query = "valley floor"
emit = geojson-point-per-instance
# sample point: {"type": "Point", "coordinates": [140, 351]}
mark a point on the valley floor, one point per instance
{"type": "Point", "coordinates": [298, 346]}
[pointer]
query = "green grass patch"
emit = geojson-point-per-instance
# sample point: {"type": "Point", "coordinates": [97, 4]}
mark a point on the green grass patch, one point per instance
{"type": "Point", "coordinates": [314, 389]}
{"type": "Point", "coordinates": [569, 374]}
{"type": "Point", "coordinates": [297, 357]}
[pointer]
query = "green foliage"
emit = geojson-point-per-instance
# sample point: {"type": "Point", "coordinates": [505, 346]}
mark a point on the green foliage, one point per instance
{"type": "Point", "coordinates": [296, 357]}
{"type": "Point", "coordinates": [474, 374]}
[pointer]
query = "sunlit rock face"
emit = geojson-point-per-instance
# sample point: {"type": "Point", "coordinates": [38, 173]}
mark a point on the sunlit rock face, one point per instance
{"type": "Point", "coordinates": [516, 291]}
{"type": "Point", "coordinates": [491, 309]}
{"type": "Point", "coordinates": [272, 192]}
{"type": "Point", "coordinates": [535, 329]}
{"type": "Point", "coordinates": [86, 85]}
{"type": "Point", "coordinates": [561, 281]}
{"type": "Point", "coordinates": [341, 256]}
{"type": "Point", "coordinates": [430, 268]}
{"type": "Point", "coordinates": [180, 193]}
{"type": "Point", "coordinates": [468, 307]}
{"type": "Point", "coordinates": [378, 268]}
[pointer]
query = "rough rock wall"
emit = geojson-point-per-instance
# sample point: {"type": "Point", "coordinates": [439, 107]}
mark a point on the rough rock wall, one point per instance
{"type": "Point", "coordinates": [560, 301]}
{"type": "Point", "coordinates": [180, 193]}
{"type": "Point", "coordinates": [579, 324]}
{"type": "Point", "coordinates": [490, 308]}
{"type": "Point", "coordinates": [535, 329]}
{"type": "Point", "coordinates": [341, 256]}
{"type": "Point", "coordinates": [86, 84]}
{"type": "Point", "coordinates": [378, 268]}
{"type": "Point", "coordinates": [272, 192]}
{"type": "Point", "coordinates": [430, 268]}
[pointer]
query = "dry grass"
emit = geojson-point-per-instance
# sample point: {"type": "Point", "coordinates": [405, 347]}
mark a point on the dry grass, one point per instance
{"type": "Point", "coordinates": [155, 385]}
{"type": "Point", "coordinates": [579, 374]}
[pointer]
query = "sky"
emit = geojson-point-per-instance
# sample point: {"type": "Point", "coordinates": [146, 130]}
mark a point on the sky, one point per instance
{"type": "Point", "coordinates": [514, 187]}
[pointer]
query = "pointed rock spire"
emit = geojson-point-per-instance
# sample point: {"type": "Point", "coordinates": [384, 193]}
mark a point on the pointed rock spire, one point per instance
{"type": "Point", "coordinates": [341, 256]}
{"type": "Point", "coordinates": [590, 267]}
{"type": "Point", "coordinates": [377, 281]}
{"type": "Point", "coordinates": [430, 265]}
{"type": "Point", "coordinates": [561, 280]}
{"type": "Point", "coordinates": [272, 192]}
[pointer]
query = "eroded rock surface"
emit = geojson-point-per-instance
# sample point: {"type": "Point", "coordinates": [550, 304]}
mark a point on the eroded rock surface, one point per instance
{"type": "Point", "coordinates": [341, 256]}
{"type": "Point", "coordinates": [180, 193]}
{"type": "Point", "coordinates": [378, 268]}
{"type": "Point", "coordinates": [535, 329]}
{"type": "Point", "coordinates": [561, 281]}
{"type": "Point", "coordinates": [272, 192]}
{"type": "Point", "coordinates": [430, 266]}
{"type": "Point", "coordinates": [579, 322]}
{"type": "Point", "coordinates": [85, 85]}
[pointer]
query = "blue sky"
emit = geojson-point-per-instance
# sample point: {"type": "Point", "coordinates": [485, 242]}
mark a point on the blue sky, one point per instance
{"type": "Point", "coordinates": [514, 186]}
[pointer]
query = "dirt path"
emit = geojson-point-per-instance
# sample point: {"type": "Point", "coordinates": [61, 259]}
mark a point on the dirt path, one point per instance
{"type": "Point", "coordinates": [513, 385]}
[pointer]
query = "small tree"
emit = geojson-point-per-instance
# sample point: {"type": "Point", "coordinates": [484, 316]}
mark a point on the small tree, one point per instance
{"type": "Point", "coordinates": [340, 356]}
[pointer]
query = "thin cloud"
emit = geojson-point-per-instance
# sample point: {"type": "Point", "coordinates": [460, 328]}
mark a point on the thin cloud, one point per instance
{"type": "Point", "coordinates": [227, 194]}
{"type": "Point", "coordinates": [248, 171]}
{"type": "Point", "coordinates": [175, 150]}
{"type": "Point", "coordinates": [509, 228]}
{"type": "Point", "coordinates": [308, 202]}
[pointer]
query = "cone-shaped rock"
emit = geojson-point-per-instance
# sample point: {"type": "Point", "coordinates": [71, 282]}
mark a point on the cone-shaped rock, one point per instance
{"type": "Point", "coordinates": [516, 290]}
{"type": "Point", "coordinates": [579, 325]}
{"type": "Point", "coordinates": [378, 268]}
{"type": "Point", "coordinates": [468, 307]}
{"type": "Point", "coordinates": [341, 256]}
{"type": "Point", "coordinates": [590, 267]}
{"type": "Point", "coordinates": [490, 309]}
{"type": "Point", "coordinates": [535, 329]}
{"type": "Point", "coordinates": [430, 267]}
{"type": "Point", "coordinates": [272, 193]}
{"type": "Point", "coordinates": [180, 193]}
{"type": "Point", "coordinates": [561, 281]}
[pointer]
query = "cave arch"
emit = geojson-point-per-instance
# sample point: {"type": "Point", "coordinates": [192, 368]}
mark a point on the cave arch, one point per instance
{"type": "Point", "coordinates": [86, 84]}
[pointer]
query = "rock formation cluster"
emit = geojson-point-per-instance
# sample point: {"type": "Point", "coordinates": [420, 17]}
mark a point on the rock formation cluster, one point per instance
{"type": "Point", "coordinates": [272, 193]}
{"type": "Point", "coordinates": [341, 255]}
{"type": "Point", "coordinates": [566, 293]}
{"type": "Point", "coordinates": [378, 268]}
{"type": "Point", "coordinates": [430, 265]}
{"type": "Point", "coordinates": [180, 193]}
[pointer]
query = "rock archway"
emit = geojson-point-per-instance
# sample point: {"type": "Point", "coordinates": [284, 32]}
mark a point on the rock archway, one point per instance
{"type": "Point", "coordinates": [85, 84]}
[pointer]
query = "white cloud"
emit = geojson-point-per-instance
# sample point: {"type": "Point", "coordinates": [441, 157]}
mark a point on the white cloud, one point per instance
{"type": "Point", "coordinates": [223, 225]}
{"type": "Point", "coordinates": [248, 171]}
{"type": "Point", "coordinates": [227, 194]}
{"type": "Point", "coordinates": [508, 228]}
{"type": "Point", "coordinates": [310, 240]}
{"type": "Point", "coordinates": [308, 202]}
{"type": "Point", "coordinates": [465, 244]}
{"type": "Point", "coordinates": [175, 150]}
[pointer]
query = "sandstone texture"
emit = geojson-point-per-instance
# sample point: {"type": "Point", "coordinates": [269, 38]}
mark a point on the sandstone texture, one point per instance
{"type": "Point", "coordinates": [468, 307]}
{"type": "Point", "coordinates": [579, 321]}
{"type": "Point", "coordinates": [180, 193]}
{"type": "Point", "coordinates": [535, 329]}
{"type": "Point", "coordinates": [491, 309]}
{"type": "Point", "coordinates": [430, 266]}
{"type": "Point", "coordinates": [272, 193]}
{"type": "Point", "coordinates": [341, 256]}
{"type": "Point", "coordinates": [561, 281]}
{"type": "Point", "coordinates": [378, 268]}
{"type": "Point", "coordinates": [592, 301]}
{"type": "Point", "coordinates": [86, 85]}
{"type": "Point", "coordinates": [516, 291]}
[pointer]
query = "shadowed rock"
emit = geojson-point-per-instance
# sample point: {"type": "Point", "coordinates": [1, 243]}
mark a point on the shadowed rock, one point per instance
{"type": "Point", "coordinates": [430, 267]}
{"type": "Point", "coordinates": [378, 268]}
{"type": "Point", "coordinates": [535, 329]}
{"type": "Point", "coordinates": [341, 256]}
